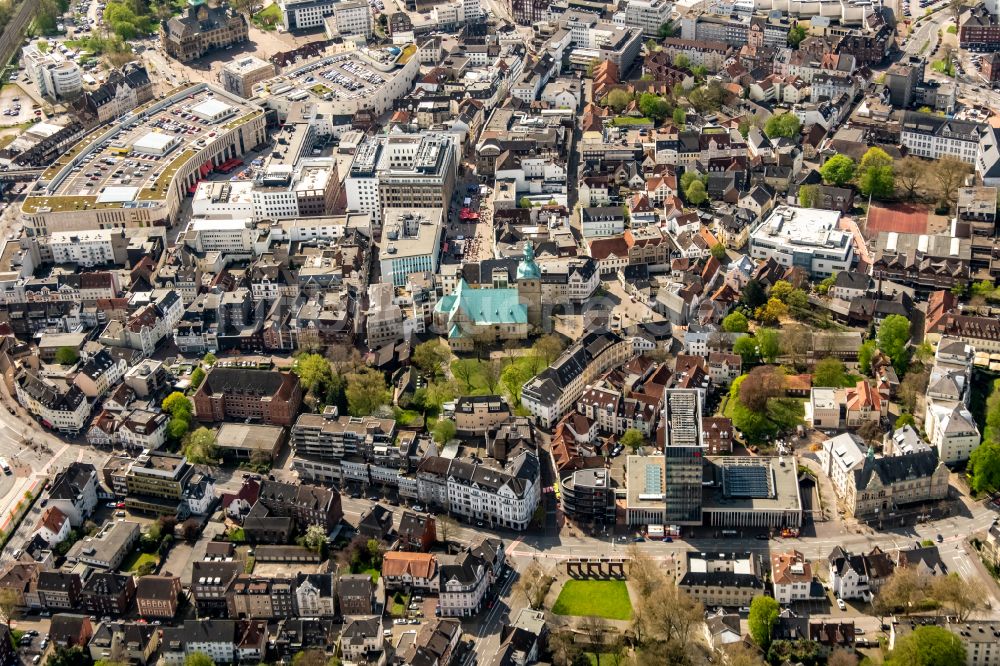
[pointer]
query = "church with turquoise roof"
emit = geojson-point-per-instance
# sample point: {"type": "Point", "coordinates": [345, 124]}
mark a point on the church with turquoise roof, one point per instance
{"type": "Point", "coordinates": [492, 315]}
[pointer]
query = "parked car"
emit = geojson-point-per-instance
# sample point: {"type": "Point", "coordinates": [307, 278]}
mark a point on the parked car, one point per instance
{"type": "Point", "coordinates": [841, 605]}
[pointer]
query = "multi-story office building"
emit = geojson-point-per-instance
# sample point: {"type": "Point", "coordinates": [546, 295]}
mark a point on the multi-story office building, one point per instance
{"type": "Point", "coordinates": [60, 408]}
{"type": "Point", "coordinates": [321, 442]}
{"type": "Point", "coordinates": [202, 28]}
{"type": "Point", "coordinates": [305, 14]}
{"type": "Point", "coordinates": [412, 242]}
{"type": "Point", "coordinates": [55, 76]}
{"type": "Point", "coordinates": [166, 483]}
{"type": "Point", "coordinates": [646, 15]}
{"type": "Point", "coordinates": [683, 456]}
{"type": "Point", "coordinates": [807, 238]}
{"type": "Point", "coordinates": [404, 171]}
{"type": "Point", "coordinates": [234, 393]}
{"type": "Point", "coordinates": [351, 17]}
{"type": "Point", "coordinates": [587, 496]}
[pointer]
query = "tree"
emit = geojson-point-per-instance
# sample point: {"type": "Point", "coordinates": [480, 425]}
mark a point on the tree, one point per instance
{"type": "Point", "coordinates": [200, 448]}
{"type": "Point", "coordinates": [66, 356]}
{"type": "Point", "coordinates": [760, 385]}
{"type": "Point", "coordinates": [746, 347]}
{"type": "Point", "coordinates": [8, 602]}
{"type": "Point", "coordinates": [905, 590]}
{"type": "Point", "coordinates": [679, 117]}
{"type": "Point", "coordinates": [444, 527]}
{"type": "Point", "coordinates": [632, 439]}
{"type": "Point", "coordinates": [696, 194]}
{"type": "Point", "coordinates": [829, 372]}
{"type": "Point", "coordinates": [707, 98]}
{"type": "Point", "coordinates": [718, 251]}
{"type": "Point", "coordinates": [665, 30]}
{"type": "Point", "coordinates": [596, 630]}
{"type": "Point", "coordinates": [795, 35]}
{"type": "Point", "coordinates": [464, 369]}
{"type": "Point", "coordinates": [198, 659]}
{"type": "Point", "coordinates": [948, 173]}
{"type": "Point", "coordinates": [772, 312]}
{"type": "Point", "coordinates": [826, 284]}
{"type": "Point", "coordinates": [808, 195]}
{"type": "Point", "coordinates": [430, 357]}
{"type": "Point", "coordinates": [768, 344]}
{"type": "Point", "coordinates": [366, 391]}
{"type": "Point", "coordinates": [197, 377]}
{"type": "Point", "coordinates": [514, 377]}
{"type": "Point", "coordinates": [956, 593]}
{"type": "Point", "coordinates": [785, 125]}
{"type": "Point", "coordinates": [311, 657]}
{"type": "Point", "coordinates": [75, 656]}
{"type": "Point", "coordinates": [763, 615]}
{"type": "Point", "coordinates": [444, 431]}
{"type": "Point", "coordinates": [314, 538]}
{"type": "Point", "coordinates": [653, 106]}
{"type": "Point", "coordinates": [893, 338]}
{"type": "Point", "coordinates": [910, 174]}
{"type": "Point", "coordinates": [524, 202]}
{"type": "Point", "coordinates": [928, 645]}
{"type": "Point", "coordinates": [534, 583]}
{"type": "Point", "coordinates": [753, 295]}
{"type": "Point", "coordinates": [209, 359]}
{"type": "Point", "coordinates": [984, 467]}
{"type": "Point", "coordinates": [905, 419]}
{"type": "Point", "coordinates": [865, 354]}
{"type": "Point", "coordinates": [914, 384]}
{"type": "Point", "coordinates": [549, 347]}
{"type": "Point", "coordinates": [314, 372]}
{"type": "Point", "coordinates": [672, 615]}
{"type": "Point", "coordinates": [617, 99]}
{"type": "Point", "coordinates": [838, 170]}
{"type": "Point", "coordinates": [735, 322]}
{"type": "Point", "coordinates": [740, 654]}
{"type": "Point", "coordinates": [875, 174]}
{"type": "Point", "coordinates": [177, 403]}
{"type": "Point", "coordinates": [491, 374]}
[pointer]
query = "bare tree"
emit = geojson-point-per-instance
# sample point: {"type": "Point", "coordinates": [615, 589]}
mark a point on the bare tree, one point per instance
{"type": "Point", "coordinates": [673, 615]}
{"type": "Point", "coordinates": [841, 657]}
{"type": "Point", "coordinates": [534, 583]}
{"type": "Point", "coordinates": [8, 602]}
{"type": "Point", "coordinates": [905, 589]}
{"type": "Point", "coordinates": [444, 526]}
{"type": "Point", "coordinates": [563, 647]}
{"type": "Point", "coordinates": [797, 342]}
{"type": "Point", "coordinates": [596, 629]}
{"type": "Point", "coordinates": [741, 654]}
{"type": "Point", "coordinates": [948, 173]}
{"type": "Point", "coordinates": [910, 174]}
{"type": "Point", "coordinates": [491, 375]}
{"type": "Point", "coordinates": [762, 384]}
{"type": "Point", "coordinates": [956, 593]}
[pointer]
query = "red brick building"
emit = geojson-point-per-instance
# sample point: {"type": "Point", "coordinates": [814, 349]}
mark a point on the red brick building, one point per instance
{"type": "Point", "coordinates": [268, 396]}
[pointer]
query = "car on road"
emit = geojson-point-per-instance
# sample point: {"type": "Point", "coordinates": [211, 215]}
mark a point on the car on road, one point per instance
{"type": "Point", "coordinates": [940, 538]}
{"type": "Point", "coordinates": [858, 631]}
{"type": "Point", "coordinates": [841, 605]}
{"type": "Point", "coordinates": [744, 610]}
{"type": "Point", "coordinates": [418, 507]}
{"type": "Point", "coordinates": [668, 539]}
{"type": "Point", "coordinates": [761, 537]}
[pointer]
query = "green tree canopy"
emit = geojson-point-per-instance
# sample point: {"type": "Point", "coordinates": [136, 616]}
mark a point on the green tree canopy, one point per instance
{"type": "Point", "coordinates": [984, 467]}
{"type": "Point", "coordinates": [198, 659]}
{"type": "Point", "coordinates": [632, 439]}
{"type": "Point", "coordinates": [783, 125]}
{"type": "Point", "coordinates": [653, 106]}
{"type": "Point", "coordinates": [617, 99]}
{"type": "Point", "coordinates": [366, 391]}
{"type": "Point", "coordinates": [177, 404]}
{"type": "Point", "coordinates": [838, 170]}
{"type": "Point", "coordinates": [665, 30]}
{"type": "Point", "coordinates": [197, 377]}
{"type": "Point", "coordinates": [928, 646]}
{"type": "Point", "coordinates": [719, 251]}
{"type": "Point", "coordinates": [746, 347]}
{"type": "Point", "coordinates": [696, 193]}
{"type": "Point", "coordinates": [735, 322]}
{"type": "Point", "coordinates": [829, 372]}
{"type": "Point", "coordinates": [444, 431]}
{"type": "Point", "coordinates": [314, 372]}
{"type": "Point", "coordinates": [865, 354]}
{"type": "Point", "coordinates": [679, 117]}
{"type": "Point", "coordinates": [763, 614]}
{"type": "Point", "coordinates": [66, 356]}
{"type": "Point", "coordinates": [769, 344]}
{"type": "Point", "coordinates": [875, 174]}
{"type": "Point", "coordinates": [795, 35]}
{"type": "Point", "coordinates": [753, 295]}
{"type": "Point", "coordinates": [431, 356]}
{"type": "Point", "coordinates": [893, 339]}
{"type": "Point", "coordinates": [808, 195]}
{"type": "Point", "coordinates": [200, 447]}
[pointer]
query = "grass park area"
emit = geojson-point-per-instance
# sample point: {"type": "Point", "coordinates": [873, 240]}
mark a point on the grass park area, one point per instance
{"type": "Point", "coordinates": [602, 598]}
{"type": "Point", "coordinates": [138, 559]}
{"type": "Point", "coordinates": [268, 18]}
{"type": "Point", "coordinates": [471, 374]}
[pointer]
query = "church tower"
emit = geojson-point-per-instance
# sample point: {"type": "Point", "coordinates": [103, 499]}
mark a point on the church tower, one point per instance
{"type": "Point", "coordinates": [529, 285]}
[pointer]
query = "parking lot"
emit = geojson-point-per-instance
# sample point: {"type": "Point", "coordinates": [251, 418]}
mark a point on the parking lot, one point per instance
{"type": "Point", "coordinates": [16, 107]}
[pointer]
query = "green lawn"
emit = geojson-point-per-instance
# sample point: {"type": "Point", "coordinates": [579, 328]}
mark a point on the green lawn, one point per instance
{"type": "Point", "coordinates": [604, 598]}
{"type": "Point", "coordinates": [621, 121]}
{"type": "Point", "coordinates": [268, 18]}
{"type": "Point", "coordinates": [137, 559]}
{"type": "Point", "coordinates": [374, 573]}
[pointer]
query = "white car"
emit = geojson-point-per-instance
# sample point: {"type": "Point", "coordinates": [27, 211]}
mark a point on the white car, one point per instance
{"type": "Point", "coordinates": [841, 605]}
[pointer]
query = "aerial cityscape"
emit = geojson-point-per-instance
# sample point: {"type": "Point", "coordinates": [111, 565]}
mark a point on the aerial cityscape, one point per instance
{"type": "Point", "coordinates": [500, 332]}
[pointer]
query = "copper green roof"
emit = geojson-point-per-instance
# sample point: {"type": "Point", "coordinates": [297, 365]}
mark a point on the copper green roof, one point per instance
{"type": "Point", "coordinates": [484, 306]}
